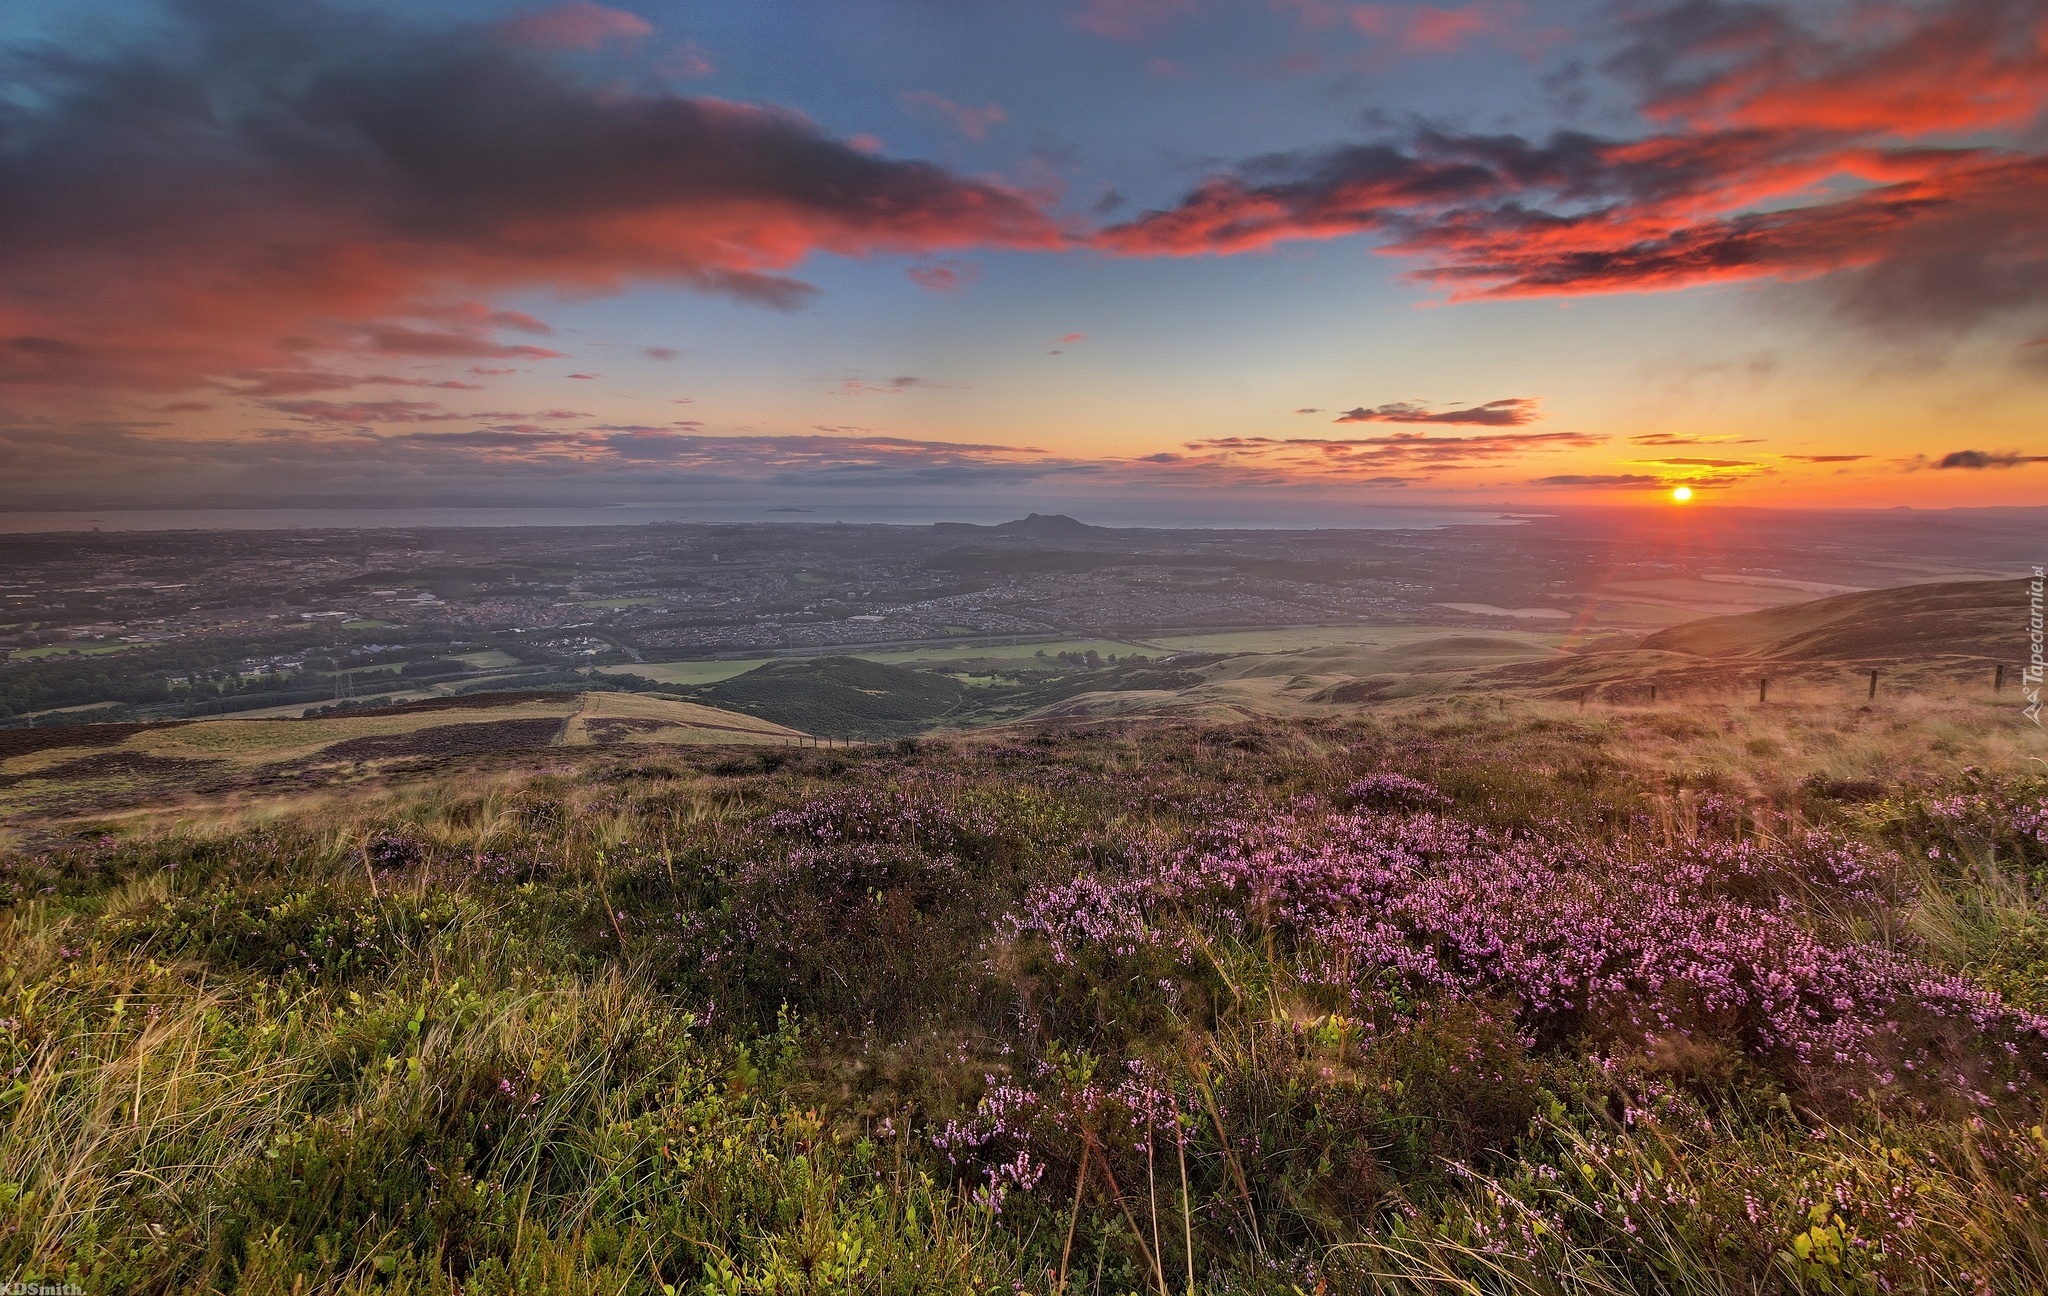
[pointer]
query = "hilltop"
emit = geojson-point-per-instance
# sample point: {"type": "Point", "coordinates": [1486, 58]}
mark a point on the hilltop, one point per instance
{"type": "Point", "coordinates": [1037, 526]}
{"type": "Point", "coordinates": [1950, 618]}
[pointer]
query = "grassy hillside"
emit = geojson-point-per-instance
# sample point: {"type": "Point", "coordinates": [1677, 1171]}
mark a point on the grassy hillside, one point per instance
{"type": "Point", "coordinates": [1438, 999]}
{"type": "Point", "coordinates": [840, 697]}
{"type": "Point", "coordinates": [55, 772]}
{"type": "Point", "coordinates": [1980, 618]}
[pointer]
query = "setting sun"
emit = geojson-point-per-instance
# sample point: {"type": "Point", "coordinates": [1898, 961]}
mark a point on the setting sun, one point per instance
{"type": "Point", "coordinates": [1680, 494]}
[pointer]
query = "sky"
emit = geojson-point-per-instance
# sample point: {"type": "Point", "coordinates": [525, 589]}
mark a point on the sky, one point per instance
{"type": "Point", "coordinates": [1293, 255]}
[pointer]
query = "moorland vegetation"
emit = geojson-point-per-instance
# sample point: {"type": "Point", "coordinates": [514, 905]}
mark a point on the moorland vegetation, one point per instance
{"type": "Point", "coordinates": [1454, 997]}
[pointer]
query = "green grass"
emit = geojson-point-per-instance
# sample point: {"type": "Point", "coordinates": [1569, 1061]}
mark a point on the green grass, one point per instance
{"type": "Point", "coordinates": [686, 673]}
{"type": "Point", "coordinates": [606, 1024]}
{"type": "Point", "coordinates": [1003, 656]}
{"type": "Point", "coordinates": [67, 650]}
{"type": "Point", "coordinates": [1015, 656]}
{"type": "Point", "coordinates": [841, 697]}
{"type": "Point", "coordinates": [1294, 639]}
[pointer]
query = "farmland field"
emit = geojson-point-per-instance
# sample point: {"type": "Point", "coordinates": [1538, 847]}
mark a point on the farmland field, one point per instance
{"type": "Point", "coordinates": [685, 673]}
{"type": "Point", "coordinates": [66, 650]}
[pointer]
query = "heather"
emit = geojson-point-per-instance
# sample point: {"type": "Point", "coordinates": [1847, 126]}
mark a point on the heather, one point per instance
{"type": "Point", "coordinates": [1416, 1003]}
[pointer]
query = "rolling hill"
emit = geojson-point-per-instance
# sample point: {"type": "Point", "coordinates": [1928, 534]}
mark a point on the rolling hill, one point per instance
{"type": "Point", "coordinates": [59, 771]}
{"type": "Point", "coordinates": [840, 697]}
{"type": "Point", "coordinates": [1955, 618]}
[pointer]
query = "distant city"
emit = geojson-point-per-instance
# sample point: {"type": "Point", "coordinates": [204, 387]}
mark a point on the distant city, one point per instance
{"type": "Point", "coordinates": [142, 625]}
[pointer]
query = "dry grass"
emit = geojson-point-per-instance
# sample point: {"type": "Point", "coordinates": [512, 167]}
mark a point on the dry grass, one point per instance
{"type": "Point", "coordinates": [235, 1056]}
{"type": "Point", "coordinates": [666, 720]}
{"type": "Point", "coordinates": [266, 742]}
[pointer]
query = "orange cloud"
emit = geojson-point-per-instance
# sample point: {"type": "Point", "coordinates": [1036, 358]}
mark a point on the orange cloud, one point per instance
{"type": "Point", "coordinates": [1411, 452]}
{"type": "Point", "coordinates": [1778, 152]}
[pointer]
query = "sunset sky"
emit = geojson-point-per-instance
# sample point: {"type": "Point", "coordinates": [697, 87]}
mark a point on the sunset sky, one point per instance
{"type": "Point", "coordinates": [1041, 251]}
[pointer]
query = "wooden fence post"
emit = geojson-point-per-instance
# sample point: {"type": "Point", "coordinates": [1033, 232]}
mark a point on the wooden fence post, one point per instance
{"type": "Point", "coordinates": [1998, 680]}
{"type": "Point", "coordinates": [1873, 686]}
{"type": "Point", "coordinates": [1763, 691]}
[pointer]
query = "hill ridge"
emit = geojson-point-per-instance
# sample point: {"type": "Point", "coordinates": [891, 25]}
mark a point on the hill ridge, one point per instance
{"type": "Point", "coordinates": [1966, 618]}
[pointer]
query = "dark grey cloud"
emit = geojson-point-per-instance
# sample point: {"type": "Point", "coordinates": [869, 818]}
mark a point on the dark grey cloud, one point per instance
{"type": "Point", "coordinates": [1512, 411]}
{"type": "Point", "coordinates": [1983, 459]}
{"type": "Point", "coordinates": [1598, 479]}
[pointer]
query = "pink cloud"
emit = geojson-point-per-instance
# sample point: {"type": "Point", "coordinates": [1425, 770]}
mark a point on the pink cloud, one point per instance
{"type": "Point", "coordinates": [1129, 20]}
{"type": "Point", "coordinates": [236, 245]}
{"type": "Point", "coordinates": [1781, 150]}
{"type": "Point", "coordinates": [892, 387]}
{"type": "Point", "coordinates": [944, 276]}
{"type": "Point", "coordinates": [399, 339]}
{"type": "Point", "coordinates": [577, 25]}
{"type": "Point", "coordinates": [974, 123]}
{"type": "Point", "coordinates": [1428, 29]}
{"type": "Point", "coordinates": [361, 412]}
{"type": "Point", "coordinates": [688, 61]}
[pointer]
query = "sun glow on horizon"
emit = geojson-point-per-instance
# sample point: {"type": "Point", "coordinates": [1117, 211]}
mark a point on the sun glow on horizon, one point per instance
{"type": "Point", "coordinates": [1681, 494]}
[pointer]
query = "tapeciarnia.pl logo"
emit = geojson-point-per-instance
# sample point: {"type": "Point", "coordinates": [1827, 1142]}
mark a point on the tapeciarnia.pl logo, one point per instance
{"type": "Point", "coordinates": [2030, 678]}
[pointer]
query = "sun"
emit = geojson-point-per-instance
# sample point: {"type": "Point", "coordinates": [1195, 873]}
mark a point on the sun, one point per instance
{"type": "Point", "coordinates": [1680, 494]}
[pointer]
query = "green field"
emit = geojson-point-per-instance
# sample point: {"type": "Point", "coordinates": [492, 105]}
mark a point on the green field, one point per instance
{"type": "Point", "coordinates": [1015, 655]}
{"type": "Point", "coordinates": [686, 673]}
{"type": "Point", "coordinates": [984, 659]}
{"type": "Point", "coordinates": [1296, 638]}
{"type": "Point", "coordinates": [80, 709]}
{"type": "Point", "coordinates": [68, 650]}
